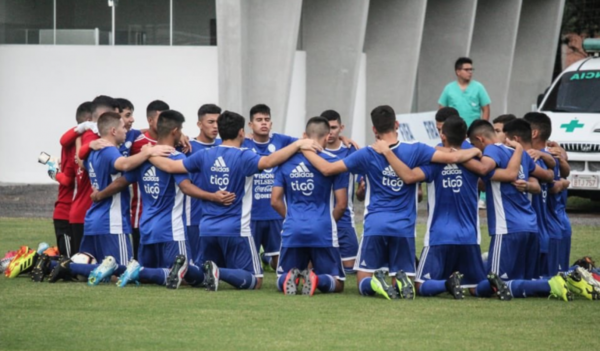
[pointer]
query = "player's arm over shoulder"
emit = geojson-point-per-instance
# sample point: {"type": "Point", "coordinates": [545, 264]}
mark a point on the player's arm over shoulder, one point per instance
{"type": "Point", "coordinates": [325, 167]}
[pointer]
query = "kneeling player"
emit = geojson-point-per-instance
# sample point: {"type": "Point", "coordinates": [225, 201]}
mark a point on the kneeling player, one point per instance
{"type": "Point", "coordinates": [309, 230]}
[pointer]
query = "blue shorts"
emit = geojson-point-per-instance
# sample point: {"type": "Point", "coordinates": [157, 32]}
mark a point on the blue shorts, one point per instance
{"type": "Point", "coordinates": [440, 261]}
{"type": "Point", "coordinates": [162, 255]}
{"type": "Point", "coordinates": [348, 242]}
{"type": "Point", "coordinates": [267, 234]}
{"type": "Point", "coordinates": [564, 253]}
{"type": "Point", "coordinates": [325, 260]}
{"type": "Point", "coordinates": [234, 252]}
{"type": "Point", "coordinates": [193, 240]}
{"type": "Point", "coordinates": [549, 261]}
{"type": "Point", "coordinates": [389, 253]}
{"type": "Point", "coordinates": [115, 245]}
{"type": "Point", "coordinates": [513, 255]}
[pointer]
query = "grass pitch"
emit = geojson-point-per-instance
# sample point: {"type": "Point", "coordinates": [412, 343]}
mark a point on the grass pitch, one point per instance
{"type": "Point", "coordinates": [75, 316]}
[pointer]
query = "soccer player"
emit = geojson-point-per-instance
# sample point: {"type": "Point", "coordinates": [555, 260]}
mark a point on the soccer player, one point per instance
{"type": "Point", "coordinates": [309, 231]}
{"type": "Point", "coordinates": [149, 137]}
{"type": "Point", "coordinates": [226, 243]}
{"type": "Point", "coordinates": [499, 123]}
{"type": "Point", "coordinates": [389, 225]}
{"type": "Point", "coordinates": [451, 256]}
{"type": "Point", "coordinates": [347, 238]}
{"type": "Point", "coordinates": [265, 222]}
{"type": "Point", "coordinates": [126, 111]}
{"type": "Point", "coordinates": [206, 139]}
{"type": "Point", "coordinates": [66, 188]}
{"type": "Point", "coordinates": [442, 115]}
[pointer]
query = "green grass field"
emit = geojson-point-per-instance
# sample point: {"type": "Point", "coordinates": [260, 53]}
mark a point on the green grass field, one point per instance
{"type": "Point", "coordinates": [75, 316]}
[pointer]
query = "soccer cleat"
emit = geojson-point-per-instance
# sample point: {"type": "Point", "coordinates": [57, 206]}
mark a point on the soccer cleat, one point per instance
{"type": "Point", "coordinates": [499, 287]}
{"type": "Point", "coordinates": [21, 263]}
{"type": "Point", "coordinates": [41, 268]}
{"type": "Point", "coordinates": [5, 261]}
{"type": "Point", "coordinates": [52, 251]}
{"type": "Point", "coordinates": [211, 276]}
{"type": "Point", "coordinates": [290, 284]}
{"type": "Point", "coordinates": [103, 272]}
{"type": "Point", "coordinates": [405, 287]}
{"type": "Point", "coordinates": [589, 278]}
{"type": "Point", "coordinates": [453, 286]}
{"type": "Point", "coordinates": [61, 270]}
{"type": "Point", "coordinates": [131, 274]}
{"type": "Point", "coordinates": [177, 272]}
{"type": "Point", "coordinates": [579, 286]}
{"type": "Point", "coordinates": [381, 287]}
{"type": "Point", "coordinates": [309, 282]}
{"type": "Point", "coordinates": [558, 288]}
{"type": "Point", "coordinates": [15, 259]}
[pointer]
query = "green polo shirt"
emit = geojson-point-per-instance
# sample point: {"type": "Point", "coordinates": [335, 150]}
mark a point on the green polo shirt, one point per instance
{"type": "Point", "coordinates": [468, 103]}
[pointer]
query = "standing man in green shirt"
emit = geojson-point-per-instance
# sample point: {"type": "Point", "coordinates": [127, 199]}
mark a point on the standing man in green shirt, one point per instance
{"type": "Point", "coordinates": [466, 95]}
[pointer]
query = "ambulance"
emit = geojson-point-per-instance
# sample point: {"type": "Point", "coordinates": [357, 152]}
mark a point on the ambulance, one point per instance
{"type": "Point", "coordinates": [573, 104]}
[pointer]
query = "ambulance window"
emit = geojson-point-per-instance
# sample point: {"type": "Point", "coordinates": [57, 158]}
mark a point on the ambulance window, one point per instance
{"type": "Point", "coordinates": [575, 92]}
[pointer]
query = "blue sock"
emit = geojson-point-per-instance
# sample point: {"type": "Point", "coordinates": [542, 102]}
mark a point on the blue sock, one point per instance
{"type": "Point", "coordinates": [484, 289]}
{"type": "Point", "coordinates": [528, 288]}
{"type": "Point", "coordinates": [280, 282]}
{"type": "Point", "coordinates": [266, 259]}
{"type": "Point", "coordinates": [326, 283]}
{"type": "Point", "coordinates": [82, 269]}
{"type": "Point", "coordinates": [365, 287]}
{"type": "Point", "coordinates": [120, 270]}
{"type": "Point", "coordinates": [432, 287]}
{"type": "Point", "coordinates": [155, 275]}
{"type": "Point", "coordinates": [194, 275]}
{"type": "Point", "coordinates": [239, 278]}
{"type": "Point", "coordinates": [349, 270]}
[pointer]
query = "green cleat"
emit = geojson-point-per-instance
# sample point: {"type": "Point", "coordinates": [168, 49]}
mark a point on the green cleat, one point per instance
{"type": "Point", "coordinates": [405, 287]}
{"type": "Point", "coordinates": [558, 288]}
{"type": "Point", "coordinates": [579, 286]}
{"type": "Point", "coordinates": [381, 287]}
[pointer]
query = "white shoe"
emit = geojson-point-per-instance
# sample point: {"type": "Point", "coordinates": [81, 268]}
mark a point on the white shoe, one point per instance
{"type": "Point", "coordinates": [103, 272]}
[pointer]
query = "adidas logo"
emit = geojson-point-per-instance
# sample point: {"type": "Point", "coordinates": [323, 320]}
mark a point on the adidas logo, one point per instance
{"type": "Point", "coordinates": [91, 171]}
{"type": "Point", "coordinates": [504, 276]}
{"type": "Point", "coordinates": [389, 171]}
{"type": "Point", "coordinates": [150, 175]}
{"type": "Point", "coordinates": [363, 263]}
{"type": "Point", "coordinates": [219, 165]}
{"type": "Point", "coordinates": [451, 169]}
{"type": "Point", "coordinates": [427, 276]}
{"type": "Point", "coordinates": [301, 171]}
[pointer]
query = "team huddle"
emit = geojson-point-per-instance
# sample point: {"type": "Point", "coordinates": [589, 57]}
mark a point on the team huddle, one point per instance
{"type": "Point", "coordinates": [157, 207]}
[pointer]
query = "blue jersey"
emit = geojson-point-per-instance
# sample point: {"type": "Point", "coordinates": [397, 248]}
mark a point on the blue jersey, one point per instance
{"type": "Point", "coordinates": [111, 215]}
{"type": "Point", "coordinates": [539, 202]}
{"type": "Point", "coordinates": [452, 197]}
{"type": "Point", "coordinates": [565, 218]}
{"type": "Point", "coordinates": [554, 208]}
{"type": "Point", "coordinates": [263, 181]}
{"type": "Point", "coordinates": [390, 205]}
{"type": "Point", "coordinates": [230, 169]}
{"type": "Point", "coordinates": [163, 218]}
{"type": "Point", "coordinates": [130, 137]}
{"type": "Point", "coordinates": [464, 146]}
{"type": "Point", "coordinates": [509, 211]}
{"type": "Point", "coordinates": [347, 220]}
{"type": "Point", "coordinates": [309, 197]}
{"type": "Point", "coordinates": [193, 206]}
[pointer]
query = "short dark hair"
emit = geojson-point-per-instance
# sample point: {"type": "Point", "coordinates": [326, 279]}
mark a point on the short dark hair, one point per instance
{"type": "Point", "coordinates": [461, 61]}
{"type": "Point", "coordinates": [317, 127]}
{"type": "Point", "coordinates": [124, 104]}
{"type": "Point", "coordinates": [260, 108]}
{"type": "Point", "coordinates": [167, 121]}
{"type": "Point", "coordinates": [455, 130]}
{"type": "Point", "coordinates": [444, 113]}
{"type": "Point", "coordinates": [156, 105]}
{"type": "Point", "coordinates": [518, 127]}
{"type": "Point", "coordinates": [84, 112]}
{"type": "Point", "coordinates": [504, 118]}
{"type": "Point", "coordinates": [208, 109]}
{"type": "Point", "coordinates": [541, 122]}
{"type": "Point", "coordinates": [383, 119]}
{"type": "Point", "coordinates": [480, 127]}
{"type": "Point", "coordinates": [229, 124]}
{"type": "Point", "coordinates": [108, 120]}
{"type": "Point", "coordinates": [103, 101]}
{"type": "Point", "coordinates": [332, 115]}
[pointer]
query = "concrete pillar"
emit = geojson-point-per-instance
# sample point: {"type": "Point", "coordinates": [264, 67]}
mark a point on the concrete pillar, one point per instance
{"type": "Point", "coordinates": [392, 45]}
{"type": "Point", "coordinates": [535, 52]}
{"type": "Point", "coordinates": [257, 43]}
{"type": "Point", "coordinates": [493, 47]}
{"type": "Point", "coordinates": [333, 34]}
{"type": "Point", "coordinates": [446, 37]}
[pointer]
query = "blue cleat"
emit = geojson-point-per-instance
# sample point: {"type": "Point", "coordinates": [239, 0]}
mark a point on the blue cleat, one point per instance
{"type": "Point", "coordinates": [103, 272]}
{"type": "Point", "coordinates": [131, 274]}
